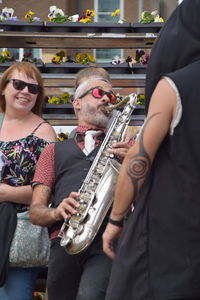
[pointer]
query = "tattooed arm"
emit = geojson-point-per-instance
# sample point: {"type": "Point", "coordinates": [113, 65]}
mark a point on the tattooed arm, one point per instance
{"type": "Point", "coordinates": [137, 162]}
{"type": "Point", "coordinates": [43, 215]}
{"type": "Point", "coordinates": [44, 178]}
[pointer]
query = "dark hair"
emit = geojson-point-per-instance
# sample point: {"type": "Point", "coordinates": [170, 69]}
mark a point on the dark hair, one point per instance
{"type": "Point", "coordinates": [91, 71]}
{"type": "Point", "coordinates": [31, 71]}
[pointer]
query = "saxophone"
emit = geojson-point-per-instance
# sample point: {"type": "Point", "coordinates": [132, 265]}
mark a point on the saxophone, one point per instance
{"type": "Point", "coordinates": [97, 190]}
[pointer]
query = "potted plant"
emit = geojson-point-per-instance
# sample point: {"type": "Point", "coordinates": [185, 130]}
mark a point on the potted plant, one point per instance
{"type": "Point", "coordinates": [5, 60]}
{"type": "Point", "coordinates": [59, 104]}
{"type": "Point", "coordinates": [61, 63]}
{"type": "Point", "coordinates": [150, 22]}
{"type": "Point", "coordinates": [9, 22]}
{"type": "Point", "coordinates": [83, 23]}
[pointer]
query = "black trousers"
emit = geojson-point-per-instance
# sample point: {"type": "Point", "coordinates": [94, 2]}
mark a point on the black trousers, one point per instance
{"type": "Point", "coordinates": [82, 276]}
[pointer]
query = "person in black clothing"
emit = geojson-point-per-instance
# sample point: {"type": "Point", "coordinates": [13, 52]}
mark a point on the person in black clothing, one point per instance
{"type": "Point", "coordinates": [62, 169]}
{"type": "Point", "coordinates": [159, 246]}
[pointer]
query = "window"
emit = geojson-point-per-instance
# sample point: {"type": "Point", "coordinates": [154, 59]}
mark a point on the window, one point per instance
{"type": "Point", "coordinates": [18, 53]}
{"type": "Point", "coordinates": [104, 9]}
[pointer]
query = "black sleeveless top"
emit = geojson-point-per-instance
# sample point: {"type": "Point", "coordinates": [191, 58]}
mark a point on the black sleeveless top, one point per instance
{"type": "Point", "coordinates": [159, 254]}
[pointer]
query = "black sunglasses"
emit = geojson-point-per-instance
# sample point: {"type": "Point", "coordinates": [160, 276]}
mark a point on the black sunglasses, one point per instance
{"type": "Point", "coordinates": [20, 85]}
{"type": "Point", "coordinates": [99, 93]}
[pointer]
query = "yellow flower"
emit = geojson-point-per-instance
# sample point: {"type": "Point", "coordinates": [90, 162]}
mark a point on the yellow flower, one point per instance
{"type": "Point", "coordinates": [89, 13]}
{"type": "Point", "coordinates": [54, 100]}
{"type": "Point", "coordinates": [78, 57]}
{"type": "Point", "coordinates": [84, 58]}
{"type": "Point", "coordinates": [86, 20]}
{"type": "Point", "coordinates": [140, 99]}
{"type": "Point", "coordinates": [91, 58]}
{"type": "Point", "coordinates": [56, 59]}
{"type": "Point", "coordinates": [115, 13]}
{"type": "Point", "coordinates": [29, 14]}
{"type": "Point", "coordinates": [63, 136]}
{"type": "Point", "coordinates": [65, 97]}
{"type": "Point", "coordinates": [157, 18]}
{"type": "Point", "coordinates": [51, 19]}
{"type": "Point", "coordinates": [5, 53]}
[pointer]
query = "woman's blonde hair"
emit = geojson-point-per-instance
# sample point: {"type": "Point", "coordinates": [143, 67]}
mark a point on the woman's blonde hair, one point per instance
{"type": "Point", "coordinates": [31, 71]}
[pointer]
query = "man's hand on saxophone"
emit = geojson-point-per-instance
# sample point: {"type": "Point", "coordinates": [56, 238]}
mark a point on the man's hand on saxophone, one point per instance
{"type": "Point", "coordinates": [67, 207]}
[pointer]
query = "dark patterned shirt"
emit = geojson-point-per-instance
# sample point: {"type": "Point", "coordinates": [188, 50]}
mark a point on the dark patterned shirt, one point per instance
{"type": "Point", "coordinates": [21, 158]}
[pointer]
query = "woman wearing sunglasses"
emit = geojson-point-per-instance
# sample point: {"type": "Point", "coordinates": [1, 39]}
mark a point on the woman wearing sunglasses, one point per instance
{"type": "Point", "coordinates": [23, 135]}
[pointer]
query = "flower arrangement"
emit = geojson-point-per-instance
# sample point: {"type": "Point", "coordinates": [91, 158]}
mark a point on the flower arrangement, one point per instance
{"type": "Point", "coordinates": [119, 98]}
{"type": "Point", "coordinates": [7, 15]}
{"type": "Point", "coordinates": [64, 98]}
{"type": "Point", "coordinates": [86, 16]}
{"type": "Point", "coordinates": [57, 15]}
{"type": "Point", "coordinates": [117, 61]}
{"type": "Point", "coordinates": [63, 136]}
{"type": "Point", "coordinates": [84, 58]}
{"type": "Point", "coordinates": [144, 59]}
{"type": "Point", "coordinates": [150, 17]}
{"type": "Point", "coordinates": [59, 57]}
{"type": "Point", "coordinates": [140, 99]}
{"type": "Point", "coordinates": [6, 57]}
{"type": "Point", "coordinates": [116, 13]}
{"type": "Point", "coordinates": [140, 57]}
{"type": "Point", "coordinates": [28, 57]}
{"type": "Point", "coordinates": [29, 17]}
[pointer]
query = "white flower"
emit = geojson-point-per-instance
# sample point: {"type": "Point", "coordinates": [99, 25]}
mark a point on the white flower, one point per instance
{"type": "Point", "coordinates": [7, 12]}
{"type": "Point", "coordinates": [52, 8]}
{"type": "Point", "coordinates": [157, 18]}
{"type": "Point", "coordinates": [54, 12]}
{"type": "Point", "coordinates": [154, 13]}
{"type": "Point", "coordinates": [116, 60]}
{"type": "Point", "coordinates": [121, 21]}
{"type": "Point", "coordinates": [74, 18]}
{"type": "Point", "coordinates": [58, 11]}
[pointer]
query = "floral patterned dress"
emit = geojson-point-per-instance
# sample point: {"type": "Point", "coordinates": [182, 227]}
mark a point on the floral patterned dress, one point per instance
{"type": "Point", "coordinates": [21, 158]}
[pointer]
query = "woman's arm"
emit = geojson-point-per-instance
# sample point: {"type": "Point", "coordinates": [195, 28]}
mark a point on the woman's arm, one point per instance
{"type": "Point", "coordinates": [19, 194]}
{"type": "Point", "coordinates": [138, 161]}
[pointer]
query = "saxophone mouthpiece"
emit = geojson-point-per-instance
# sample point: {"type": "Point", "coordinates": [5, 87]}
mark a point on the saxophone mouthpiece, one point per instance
{"type": "Point", "coordinates": [109, 108]}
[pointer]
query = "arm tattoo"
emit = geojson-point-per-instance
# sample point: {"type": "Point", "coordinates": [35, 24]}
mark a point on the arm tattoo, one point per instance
{"type": "Point", "coordinates": [46, 191]}
{"type": "Point", "coordinates": [139, 165]}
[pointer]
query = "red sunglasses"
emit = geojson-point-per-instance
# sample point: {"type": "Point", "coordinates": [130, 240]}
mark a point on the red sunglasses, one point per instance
{"type": "Point", "coordinates": [98, 93]}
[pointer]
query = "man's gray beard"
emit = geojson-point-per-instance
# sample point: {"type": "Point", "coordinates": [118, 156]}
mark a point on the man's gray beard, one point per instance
{"type": "Point", "coordinates": [94, 116]}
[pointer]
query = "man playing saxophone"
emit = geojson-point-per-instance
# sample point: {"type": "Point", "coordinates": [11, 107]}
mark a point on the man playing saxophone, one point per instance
{"type": "Point", "coordinates": [61, 171]}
